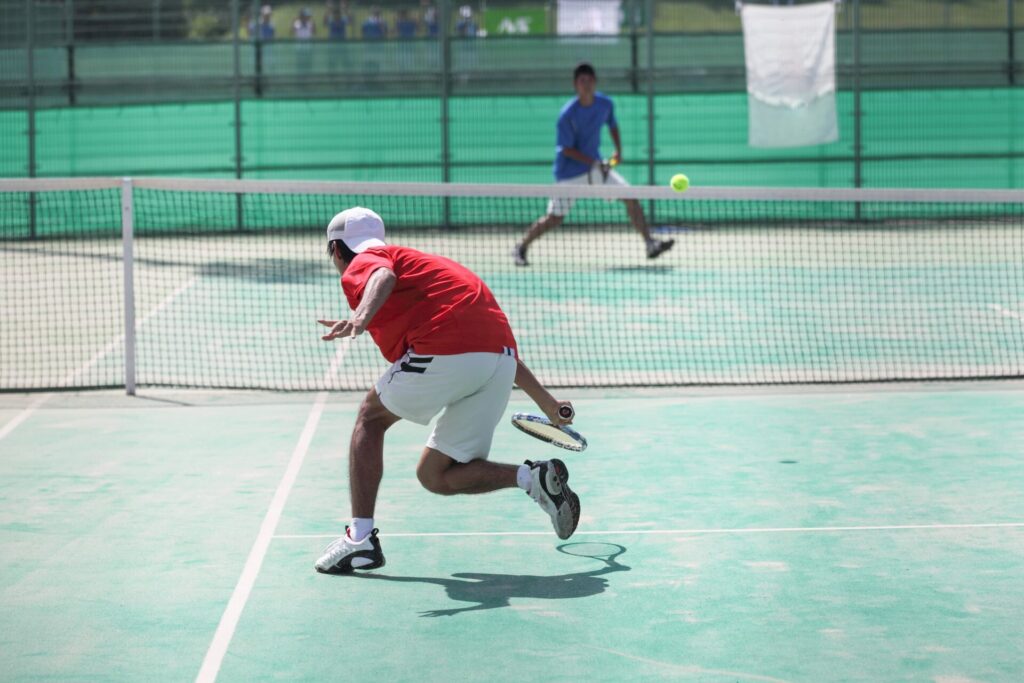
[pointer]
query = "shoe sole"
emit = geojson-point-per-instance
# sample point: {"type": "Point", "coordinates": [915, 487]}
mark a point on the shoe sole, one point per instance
{"type": "Point", "coordinates": [668, 245]}
{"type": "Point", "coordinates": [568, 515]}
{"type": "Point", "coordinates": [349, 569]}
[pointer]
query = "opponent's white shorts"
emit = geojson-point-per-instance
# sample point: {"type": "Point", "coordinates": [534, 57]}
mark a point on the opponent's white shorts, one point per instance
{"type": "Point", "coordinates": [472, 388]}
{"type": "Point", "coordinates": [561, 205]}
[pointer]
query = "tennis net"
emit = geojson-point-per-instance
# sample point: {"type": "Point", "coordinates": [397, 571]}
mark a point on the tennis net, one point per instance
{"type": "Point", "coordinates": [220, 282]}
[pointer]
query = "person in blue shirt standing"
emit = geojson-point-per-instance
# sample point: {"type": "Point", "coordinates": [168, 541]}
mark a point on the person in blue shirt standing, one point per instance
{"type": "Point", "coordinates": [578, 161]}
{"type": "Point", "coordinates": [374, 27]}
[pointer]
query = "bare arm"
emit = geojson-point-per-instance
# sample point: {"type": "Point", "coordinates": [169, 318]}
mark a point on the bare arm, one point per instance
{"type": "Point", "coordinates": [526, 381]}
{"type": "Point", "coordinates": [618, 144]}
{"type": "Point", "coordinates": [378, 289]}
{"type": "Point", "coordinates": [579, 156]}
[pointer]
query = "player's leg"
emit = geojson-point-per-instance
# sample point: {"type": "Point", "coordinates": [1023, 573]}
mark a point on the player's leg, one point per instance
{"type": "Point", "coordinates": [446, 476]}
{"type": "Point", "coordinates": [639, 222]}
{"type": "Point", "coordinates": [455, 460]}
{"type": "Point", "coordinates": [558, 209]}
{"type": "Point", "coordinates": [548, 221]}
{"type": "Point", "coordinates": [366, 454]}
{"type": "Point", "coordinates": [359, 547]}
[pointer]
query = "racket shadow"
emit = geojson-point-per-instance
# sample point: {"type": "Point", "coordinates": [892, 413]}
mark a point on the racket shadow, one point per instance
{"type": "Point", "coordinates": [493, 591]}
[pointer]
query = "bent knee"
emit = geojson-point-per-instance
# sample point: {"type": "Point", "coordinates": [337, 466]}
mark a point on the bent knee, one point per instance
{"type": "Point", "coordinates": [433, 481]}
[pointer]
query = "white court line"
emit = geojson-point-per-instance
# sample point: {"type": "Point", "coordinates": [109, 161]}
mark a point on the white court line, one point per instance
{"type": "Point", "coordinates": [23, 415]}
{"type": "Point", "coordinates": [686, 532]}
{"type": "Point", "coordinates": [117, 341]}
{"type": "Point", "coordinates": [233, 612]}
{"type": "Point", "coordinates": [1006, 312]}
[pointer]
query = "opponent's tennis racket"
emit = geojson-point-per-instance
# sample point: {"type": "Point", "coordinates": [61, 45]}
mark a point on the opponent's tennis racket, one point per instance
{"type": "Point", "coordinates": [607, 165]}
{"type": "Point", "coordinates": [541, 428]}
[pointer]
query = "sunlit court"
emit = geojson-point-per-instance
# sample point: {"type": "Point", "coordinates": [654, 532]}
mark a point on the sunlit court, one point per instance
{"type": "Point", "coordinates": [751, 273]}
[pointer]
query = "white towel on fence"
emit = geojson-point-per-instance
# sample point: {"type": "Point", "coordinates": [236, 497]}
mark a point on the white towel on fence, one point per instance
{"type": "Point", "coordinates": [791, 75]}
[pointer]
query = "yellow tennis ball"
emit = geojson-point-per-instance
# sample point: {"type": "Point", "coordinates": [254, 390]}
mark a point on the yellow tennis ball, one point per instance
{"type": "Point", "coordinates": [679, 182]}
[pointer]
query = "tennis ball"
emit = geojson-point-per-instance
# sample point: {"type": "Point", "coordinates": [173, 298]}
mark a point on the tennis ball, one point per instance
{"type": "Point", "coordinates": [679, 182]}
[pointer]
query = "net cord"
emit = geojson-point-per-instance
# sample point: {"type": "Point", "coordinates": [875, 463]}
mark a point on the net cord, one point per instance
{"type": "Point", "coordinates": [641, 192]}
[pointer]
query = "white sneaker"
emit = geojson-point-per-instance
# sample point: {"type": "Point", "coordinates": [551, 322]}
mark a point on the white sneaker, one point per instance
{"type": "Point", "coordinates": [550, 488]}
{"type": "Point", "coordinates": [344, 555]}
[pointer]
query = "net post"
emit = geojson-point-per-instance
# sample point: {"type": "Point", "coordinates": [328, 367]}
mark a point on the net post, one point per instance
{"type": "Point", "coordinates": [127, 233]}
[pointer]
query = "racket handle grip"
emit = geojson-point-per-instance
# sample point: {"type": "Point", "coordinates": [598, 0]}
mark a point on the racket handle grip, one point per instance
{"type": "Point", "coordinates": [566, 412]}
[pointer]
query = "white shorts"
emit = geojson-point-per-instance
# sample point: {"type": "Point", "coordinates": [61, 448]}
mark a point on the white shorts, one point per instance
{"type": "Point", "coordinates": [561, 205]}
{"type": "Point", "coordinates": [472, 388]}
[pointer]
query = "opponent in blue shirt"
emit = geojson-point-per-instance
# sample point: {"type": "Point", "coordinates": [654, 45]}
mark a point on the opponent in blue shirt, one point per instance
{"type": "Point", "coordinates": [578, 161]}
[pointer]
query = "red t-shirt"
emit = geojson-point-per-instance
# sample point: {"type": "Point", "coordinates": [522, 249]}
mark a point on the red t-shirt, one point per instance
{"type": "Point", "coordinates": [437, 306]}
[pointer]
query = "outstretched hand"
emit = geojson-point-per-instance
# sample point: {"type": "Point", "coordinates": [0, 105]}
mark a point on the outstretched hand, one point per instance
{"type": "Point", "coordinates": [340, 328]}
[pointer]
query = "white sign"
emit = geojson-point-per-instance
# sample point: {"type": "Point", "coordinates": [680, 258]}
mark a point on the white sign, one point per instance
{"type": "Point", "coordinates": [588, 17]}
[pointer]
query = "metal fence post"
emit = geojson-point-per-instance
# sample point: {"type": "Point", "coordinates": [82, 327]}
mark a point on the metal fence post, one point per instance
{"type": "Point", "coordinates": [69, 42]}
{"type": "Point", "coordinates": [444, 21]}
{"type": "Point", "coordinates": [30, 29]}
{"type": "Point", "coordinates": [649, 20]}
{"type": "Point", "coordinates": [857, 143]}
{"type": "Point", "coordinates": [634, 56]}
{"type": "Point", "coordinates": [236, 48]}
{"type": "Point", "coordinates": [1011, 56]}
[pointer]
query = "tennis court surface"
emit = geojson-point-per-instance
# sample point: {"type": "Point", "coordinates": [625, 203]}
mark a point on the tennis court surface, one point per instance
{"type": "Point", "coordinates": [858, 534]}
{"type": "Point", "coordinates": [817, 513]}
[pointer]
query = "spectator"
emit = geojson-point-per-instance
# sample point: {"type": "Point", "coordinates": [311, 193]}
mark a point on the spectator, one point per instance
{"type": "Point", "coordinates": [336, 21]}
{"type": "Point", "coordinates": [466, 26]}
{"type": "Point", "coordinates": [374, 28]}
{"type": "Point", "coordinates": [303, 30]}
{"type": "Point", "coordinates": [264, 30]}
{"type": "Point", "coordinates": [429, 19]}
{"type": "Point", "coordinates": [405, 26]}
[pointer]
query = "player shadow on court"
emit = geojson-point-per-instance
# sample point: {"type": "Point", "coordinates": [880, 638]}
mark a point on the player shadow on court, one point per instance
{"type": "Point", "coordinates": [663, 268]}
{"type": "Point", "coordinates": [491, 591]}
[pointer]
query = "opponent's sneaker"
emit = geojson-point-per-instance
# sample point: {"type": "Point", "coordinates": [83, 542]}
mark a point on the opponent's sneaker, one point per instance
{"type": "Point", "coordinates": [656, 248]}
{"type": "Point", "coordinates": [344, 555]}
{"type": "Point", "coordinates": [550, 488]}
{"type": "Point", "coordinates": [519, 254]}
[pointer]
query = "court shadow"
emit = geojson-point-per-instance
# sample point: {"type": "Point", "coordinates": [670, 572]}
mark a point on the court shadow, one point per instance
{"type": "Point", "coordinates": [491, 591]}
{"type": "Point", "coordinates": [640, 269]}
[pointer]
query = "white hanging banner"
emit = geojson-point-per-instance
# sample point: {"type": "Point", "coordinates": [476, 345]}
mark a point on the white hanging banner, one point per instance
{"type": "Point", "coordinates": [790, 54]}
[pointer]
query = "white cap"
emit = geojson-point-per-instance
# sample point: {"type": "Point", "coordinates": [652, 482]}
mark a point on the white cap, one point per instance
{"type": "Point", "coordinates": [359, 228]}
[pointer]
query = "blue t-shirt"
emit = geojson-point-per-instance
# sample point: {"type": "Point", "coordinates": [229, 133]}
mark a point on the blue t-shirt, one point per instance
{"type": "Point", "coordinates": [579, 127]}
{"type": "Point", "coordinates": [337, 27]}
{"type": "Point", "coordinates": [406, 28]}
{"type": "Point", "coordinates": [374, 29]}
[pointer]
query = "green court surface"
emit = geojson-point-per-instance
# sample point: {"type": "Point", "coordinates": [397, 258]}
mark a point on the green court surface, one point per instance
{"type": "Point", "coordinates": [846, 534]}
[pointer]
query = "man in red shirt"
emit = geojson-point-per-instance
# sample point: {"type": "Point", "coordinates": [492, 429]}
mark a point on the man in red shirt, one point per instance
{"type": "Point", "coordinates": [451, 349]}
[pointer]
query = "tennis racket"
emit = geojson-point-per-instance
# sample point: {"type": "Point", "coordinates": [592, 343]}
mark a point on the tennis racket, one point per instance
{"type": "Point", "coordinates": [541, 428]}
{"type": "Point", "coordinates": [607, 165]}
